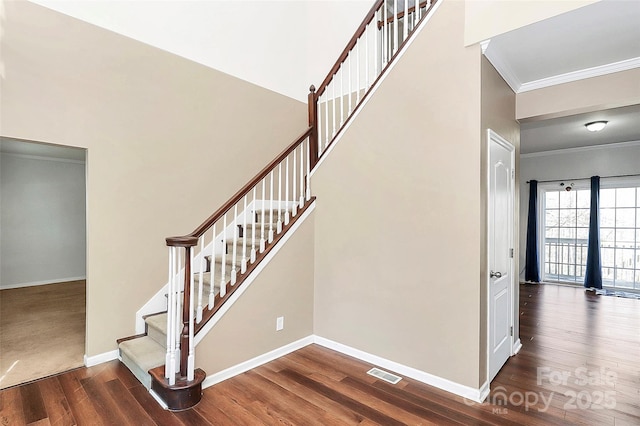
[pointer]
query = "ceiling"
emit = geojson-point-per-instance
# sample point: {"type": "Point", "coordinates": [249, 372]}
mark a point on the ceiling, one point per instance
{"type": "Point", "coordinates": [593, 40]}
{"type": "Point", "coordinates": [35, 149]}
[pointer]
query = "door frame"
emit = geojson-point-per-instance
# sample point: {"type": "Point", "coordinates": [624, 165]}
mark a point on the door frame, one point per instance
{"type": "Point", "coordinates": [514, 344]}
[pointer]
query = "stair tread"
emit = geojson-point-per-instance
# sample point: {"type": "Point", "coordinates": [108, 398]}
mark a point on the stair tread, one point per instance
{"type": "Point", "coordinates": [145, 352]}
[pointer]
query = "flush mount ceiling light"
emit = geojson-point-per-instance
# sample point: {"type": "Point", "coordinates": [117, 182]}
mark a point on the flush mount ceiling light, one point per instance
{"type": "Point", "coordinates": [595, 126]}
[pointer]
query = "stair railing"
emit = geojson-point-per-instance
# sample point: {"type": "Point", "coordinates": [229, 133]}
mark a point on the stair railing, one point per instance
{"type": "Point", "coordinates": [376, 42]}
{"type": "Point", "coordinates": [209, 264]}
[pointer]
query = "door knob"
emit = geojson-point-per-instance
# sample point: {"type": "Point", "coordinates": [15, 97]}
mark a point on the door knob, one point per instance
{"type": "Point", "coordinates": [495, 274]}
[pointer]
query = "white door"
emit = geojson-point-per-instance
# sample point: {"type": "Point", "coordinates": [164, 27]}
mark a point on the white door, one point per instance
{"type": "Point", "coordinates": [500, 228]}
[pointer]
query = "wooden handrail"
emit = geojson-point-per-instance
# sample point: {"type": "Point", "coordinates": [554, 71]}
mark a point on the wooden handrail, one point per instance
{"type": "Point", "coordinates": [363, 26]}
{"type": "Point", "coordinates": [400, 14]}
{"type": "Point", "coordinates": [191, 239]}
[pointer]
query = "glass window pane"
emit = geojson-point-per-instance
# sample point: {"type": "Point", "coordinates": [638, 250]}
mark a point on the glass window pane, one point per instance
{"type": "Point", "coordinates": [582, 217]}
{"type": "Point", "coordinates": [607, 197]}
{"type": "Point", "coordinates": [607, 237]}
{"type": "Point", "coordinates": [607, 257]}
{"type": "Point", "coordinates": [584, 199]}
{"type": "Point", "coordinates": [626, 218]}
{"type": "Point", "coordinates": [551, 218]}
{"type": "Point", "coordinates": [625, 238]}
{"type": "Point", "coordinates": [624, 258]}
{"type": "Point", "coordinates": [625, 197]}
{"type": "Point", "coordinates": [552, 199]}
{"type": "Point", "coordinates": [567, 235]}
{"type": "Point", "coordinates": [551, 233]}
{"type": "Point", "coordinates": [567, 199]}
{"type": "Point", "coordinates": [567, 217]}
{"type": "Point", "coordinates": [624, 278]}
{"type": "Point", "coordinates": [582, 234]}
{"type": "Point", "coordinates": [608, 273]}
{"type": "Point", "coordinates": [608, 217]}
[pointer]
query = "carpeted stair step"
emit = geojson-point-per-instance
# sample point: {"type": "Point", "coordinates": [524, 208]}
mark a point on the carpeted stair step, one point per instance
{"type": "Point", "coordinates": [141, 355]}
{"type": "Point", "coordinates": [157, 328]}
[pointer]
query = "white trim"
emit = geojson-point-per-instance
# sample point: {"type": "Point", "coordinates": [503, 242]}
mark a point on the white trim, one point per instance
{"type": "Point", "coordinates": [484, 391]}
{"type": "Point", "coordinates": [516, 347]}
{"type": "Point", "coordinates": [581, 149]}
{"type": "Point", "coordinates": [41, 158]}
{"type": "Point", "coordinates": [256, 362]}
{"type": "Point", "coordinates": [484, 45]}
{"type": "Point", "coordinates": [373, 88]}
{"type": "Point", "coordinates": [470, 393]}
{"type": "Point", "coordinates": [245, 285]}
{"type": "Point", "coordinates": [158, 399]}
{"type": "Point", "coordinates": [569, 77]}
{"type": "Point", "coordinates": [45, 282]}
{"type": "Point", "coordinates": [503, 68]}
{"type": "Point", "coordinates": [90, 361]}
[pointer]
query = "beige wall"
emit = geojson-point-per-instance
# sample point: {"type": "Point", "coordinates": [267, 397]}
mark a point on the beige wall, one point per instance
{"type": "Point", "coordinates": [397, 236]}
{"type": "Point", "coordinates": [488, 18]}
{"type": "Point", "coordinates": [498, 114]}
{"type": "Point", "coordinates": [592, 94]}
{"type": "Point", "coordinates": [168, 142]}
{"type": "Point", "coordinates": [284, 288]}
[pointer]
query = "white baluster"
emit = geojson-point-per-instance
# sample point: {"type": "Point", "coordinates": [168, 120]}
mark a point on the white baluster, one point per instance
{"type": "Point", "coordinates": [358, 71]}
{"type": "Point", "coordinates": [341, 95]}
{"type": "Point", "coordinates": [264, 199]}
{"type": "Point", "coordinates": [234, 272]}
{"type": "Point", "coordinates": [366, 56]}
{"type": "Point", "coordinates": [286, 194]}
{"type": "Point", "coordinates": [200, 282]}
{"type": "Point", "coordinates": [301, 175]}
{"type": "Point", "coordinates": [326, 116]}
{"type": "Point", "coordinates": [169, 361]}
{"type": "Point", "coordinates": [294, 209]}
{"type": "Point", "coordinates": [212, 268]}
{"type": "Point", "coordinates": [308, 191]}
{"type": "Point", "coordinates": [191, 354]}
{"type": "Point", "coordinates": [395, 26]}
{"type": "Point", "coordinates": [243, 263]}
{"type": "Point", "coordinates": [385, 37]}
{"type": "Point", "coordinates": [271, 207]}
{"type": "Point", "coordinates": [253, 227]}
{"type": "Point", "coordinates": [349, 58]}
{"type": "Point", "coordinates": [319, 123]}
{"type": "Point", "coordinates": [405, 20]}
{"type": "Point", "coordinates": [279, 226]}
{"type": "Point", "coordinates": [223, 255]}
{"type": "Point", "coordinates": [334, 84]}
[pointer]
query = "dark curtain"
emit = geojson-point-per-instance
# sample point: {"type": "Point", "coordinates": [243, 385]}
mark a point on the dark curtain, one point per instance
{"type": "Point", "coordinates": [531, 272]}
{"type": "Point", "coordinates": [593, 275]}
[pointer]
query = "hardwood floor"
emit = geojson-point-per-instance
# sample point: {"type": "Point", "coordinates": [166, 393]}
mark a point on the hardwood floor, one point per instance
{"type": "Point", "coordinates": [579, 365]}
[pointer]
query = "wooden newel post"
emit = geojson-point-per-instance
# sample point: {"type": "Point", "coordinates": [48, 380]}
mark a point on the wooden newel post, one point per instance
{"type": "Point", "coordinates": [313, 123]}
{"type": "Point", "coordinates": [187, 243]}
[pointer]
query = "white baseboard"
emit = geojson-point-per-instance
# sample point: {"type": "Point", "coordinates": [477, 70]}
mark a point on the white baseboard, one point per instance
{"type": "Point", "coordinates": [90, 361]}
{"type": "Point", "coordinates": [476, 395]}
{"type": "Point", "coordinates": [256, 362]}
{"type": "Point", "coordinates": [45, 282]}
{"type": "Point", "coordinates": [484, 391]}
{"type": "Point", "coordinates": [517, 346]}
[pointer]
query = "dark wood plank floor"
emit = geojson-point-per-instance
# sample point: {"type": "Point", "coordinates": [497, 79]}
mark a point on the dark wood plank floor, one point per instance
{"type": "Point", "coordinates": [579, 365]}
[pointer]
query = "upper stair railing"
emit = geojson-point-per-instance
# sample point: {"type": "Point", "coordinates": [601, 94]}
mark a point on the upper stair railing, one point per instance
{"type": "Point", "coordinates": [208, 265]}
{"type": "Point", "coordinates": [376, 42]}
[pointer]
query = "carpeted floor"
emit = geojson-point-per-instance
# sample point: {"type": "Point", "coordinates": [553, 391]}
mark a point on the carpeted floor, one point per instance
{"type": "Point", "coordinates": [42, 331]}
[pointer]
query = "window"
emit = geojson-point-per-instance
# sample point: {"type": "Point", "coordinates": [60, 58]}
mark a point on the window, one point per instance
{"type": "Point", "coordinates": [620, 236]}
{"type": "Point", "coordinates": [566, 234]}
{"type": "Point", "coordinates": [565, 218]}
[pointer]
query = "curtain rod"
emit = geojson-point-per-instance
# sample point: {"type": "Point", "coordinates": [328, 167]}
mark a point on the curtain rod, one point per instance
{"type": "Point", "coordinates": [564, 180]}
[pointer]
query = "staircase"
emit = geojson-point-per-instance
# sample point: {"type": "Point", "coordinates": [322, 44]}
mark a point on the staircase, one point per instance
{"type": "Point", "coordinates": [208, 265]}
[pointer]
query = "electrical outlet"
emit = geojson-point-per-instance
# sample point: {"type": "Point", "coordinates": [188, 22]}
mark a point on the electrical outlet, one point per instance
{"type": "Point", "coordinates": [279, 323]}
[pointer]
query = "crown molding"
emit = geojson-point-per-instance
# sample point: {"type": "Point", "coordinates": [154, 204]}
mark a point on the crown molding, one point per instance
{"type": "Point", "coordinates": [501, 66]}
{"type": "Point", "coordinates": [569, 77]}
{"type": "Point", "coordinates": [581, 149]}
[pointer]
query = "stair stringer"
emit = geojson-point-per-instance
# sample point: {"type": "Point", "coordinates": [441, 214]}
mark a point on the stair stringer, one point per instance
{"type": "Point", "coordinates": [158, 302]}
{"type": "Point", "coordinates": [253, 275]}
{"type": "Point", "coordinates": [374, 87]}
